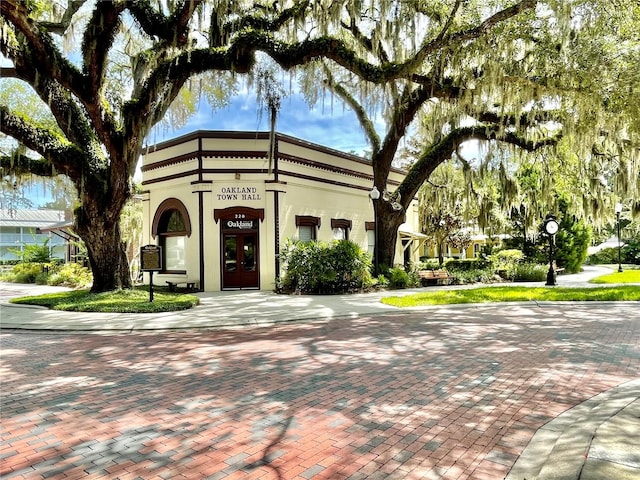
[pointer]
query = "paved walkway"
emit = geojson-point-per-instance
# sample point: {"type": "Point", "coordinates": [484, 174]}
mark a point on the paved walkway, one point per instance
{"type": "Point", "coordinates": [226, 309]}
{"type": "Point", "coordinates": [351, 389]}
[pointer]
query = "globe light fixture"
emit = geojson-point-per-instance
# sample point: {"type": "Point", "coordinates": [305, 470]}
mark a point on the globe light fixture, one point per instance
{"type": "Point", "coordinates": [551, 227]}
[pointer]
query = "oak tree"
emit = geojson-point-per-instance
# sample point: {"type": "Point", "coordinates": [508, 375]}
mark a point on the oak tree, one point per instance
{"type": "Point", "coordinates": [104, 92]}
{"type": "Point", "coordinates": [529, 81]}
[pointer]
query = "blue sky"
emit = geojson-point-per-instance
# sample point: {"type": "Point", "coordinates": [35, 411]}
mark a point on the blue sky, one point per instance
{"type": "Point", "coordinates": [326, 123]}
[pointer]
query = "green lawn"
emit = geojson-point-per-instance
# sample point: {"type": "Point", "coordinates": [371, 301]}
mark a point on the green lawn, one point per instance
{"type": "Point", "coordinates": [119, 301]}
{"type": "Point", "coordinates": [515, 294]}
{"type": "Point", "coordinates": [626, 276]}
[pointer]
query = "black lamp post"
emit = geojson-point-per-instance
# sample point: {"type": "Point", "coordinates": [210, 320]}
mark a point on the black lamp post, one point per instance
{"type": "Point", "coordinates": [374, 194]}
{"type": "Point", "coordinates": [551, 228]}
{"type": "Point", "coordinates": [618, 212]}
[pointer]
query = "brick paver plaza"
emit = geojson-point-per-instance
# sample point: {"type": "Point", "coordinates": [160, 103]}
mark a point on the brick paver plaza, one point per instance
{"type": "Point", "coordinates": [447, 393]}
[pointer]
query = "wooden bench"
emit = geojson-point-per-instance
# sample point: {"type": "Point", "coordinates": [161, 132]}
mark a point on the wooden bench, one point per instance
{"type": "Point", "coordinates": [191, 285]}
{"type": "Point", "coordinates": [434, 277]}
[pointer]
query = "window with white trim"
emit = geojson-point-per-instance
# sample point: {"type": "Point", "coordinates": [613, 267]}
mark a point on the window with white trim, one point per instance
{"type": "Point", "coordinates": [306, 233]}
{"type": "Point", "coordinates": [340, 228]}
{"type": "Point", "coordinates": [173, 233]}
{"type": "Point", "coordinates": [307, 227]}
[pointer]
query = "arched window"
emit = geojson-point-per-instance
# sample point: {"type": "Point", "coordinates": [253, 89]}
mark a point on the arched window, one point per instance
{"type": "Point", "coordinates": [172, 226]}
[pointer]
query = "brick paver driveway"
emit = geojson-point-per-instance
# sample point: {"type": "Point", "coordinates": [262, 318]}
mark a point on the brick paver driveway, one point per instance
{"type": "Point", "coordinates": [449, 393]}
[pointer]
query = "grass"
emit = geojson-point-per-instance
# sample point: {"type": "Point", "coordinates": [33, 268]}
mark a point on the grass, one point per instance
{"type": "Point", "coordinates": [516, 294]}
{"type": "Point", "coordinates": [626, 276]}
{"type": "Point", "coordinates": [119, 301]}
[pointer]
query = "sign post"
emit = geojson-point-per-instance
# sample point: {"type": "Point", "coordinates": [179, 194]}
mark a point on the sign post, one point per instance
{"type": "Point", "coordinates": [150, 261]}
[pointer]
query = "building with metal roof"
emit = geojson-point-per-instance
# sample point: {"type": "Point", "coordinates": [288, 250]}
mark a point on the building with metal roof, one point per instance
{"type": "Point", "coordinates": [22, 227]}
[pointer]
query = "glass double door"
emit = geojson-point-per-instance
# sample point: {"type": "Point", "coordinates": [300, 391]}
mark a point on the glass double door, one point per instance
{"type": "Point", "coordinates": [240, 267]}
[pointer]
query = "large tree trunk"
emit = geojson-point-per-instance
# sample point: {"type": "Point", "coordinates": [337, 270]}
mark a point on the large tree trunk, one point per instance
{"type": "Point", "coordinates": [105, 248]}
{"type": "Point", "coordinates": [388, 221]}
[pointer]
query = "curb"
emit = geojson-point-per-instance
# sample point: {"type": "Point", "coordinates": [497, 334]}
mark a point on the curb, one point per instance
{"type": "Point", "coordinates": [570, 447]}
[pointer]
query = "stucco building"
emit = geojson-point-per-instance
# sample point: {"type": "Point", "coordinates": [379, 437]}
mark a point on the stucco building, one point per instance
{"type": "Point", "coordinates": [222, 210]}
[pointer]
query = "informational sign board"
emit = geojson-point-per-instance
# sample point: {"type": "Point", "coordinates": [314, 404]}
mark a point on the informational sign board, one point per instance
{"type": "Point", "coordinates": [151, 258]}
{"type": "Point", "coordinates": [151, 261]}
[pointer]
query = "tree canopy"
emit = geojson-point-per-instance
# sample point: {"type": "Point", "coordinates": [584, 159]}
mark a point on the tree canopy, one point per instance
{"type": "Point", "coordinates": [105, 73]}
{"type": "Point", "coordinates": [546, 89]}
{"type": "Point", "coordinates": [525, 76]}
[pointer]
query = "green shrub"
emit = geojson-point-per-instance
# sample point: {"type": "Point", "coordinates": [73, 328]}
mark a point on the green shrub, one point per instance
{"type": "Point", "coordinates": [320, 267]}
{"type": "Point", "coordinates": [13, 261]}
{"type": "Point", "coordinates": [8, 276]}
{"type": "Point", "coordinates": [414, 278]}
{"type": "Point", "coordinates": [27, 272]}
{"type": "Point", "coordinates": [42, 278]}
{"type": "Point", "coordinates": [462, 277]}
{"type": "Point", "coordinates": [33, 252]}
{"type": "Point", "coordinates": [511, 255]}
{"type": "Point", "coordinates": [468, 264]}
{"type": "Point", "coordinates": [469, 270]}
{"type": "Point", "coordinates": [530, 272]}
{"type": "Point", "coordinates": [505, 262]}
{"type": "Point", "coordinates": [398, 278]}
{"type": "Point", "coordinates": [631, 252]}
{"type": "Point", "coordinates": [605, 256]}
{"type": "Point", "coordinates": [572, 241]}
{"type": "Point", "coordinates": [428, 264]}
{"type": "Point", "coordinates": [70, 275]}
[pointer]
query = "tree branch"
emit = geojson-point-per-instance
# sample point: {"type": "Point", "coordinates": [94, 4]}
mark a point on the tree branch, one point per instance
{"type": "Point", "coordinates": [220, 31]}
{"type": "Point", "coordinates": [55, 152]}
{"type": "Point", "coordinates": [449, 21]}
{"type": "Point", "coordinates": [361, 114]}
{"type": "Point", "coordinates": [39, 62]}
{"type": "Point", "coordinates": [71, 119]}
{"type": "Point", "coordinates": [496, 133]}
{"type": "Point", "coordinates": [435, 185]}
{"type": "Point", "coordinates": [155, 95]}
{"type": "Point", "coordinates": [173, 29]}
{"type": "Point", "coordinates": [364, 41]}
{"type": "Point", "coordinates": [41, 47]}
{"type": "Point", "coordinates": [21, 164]}
{"type": "Point", "coordinates": [259, 22]}
{"type": "Point", "coordinates": [96, 45]}
{"type": "Point", "coordinates": [368, 45]}
{"type": "Point", "coordinates": [528, 119]}
{"type": "Point", "coordinates": [443, 41]}
{"type": "Point", "coordinates": [403, 115]}
{"type": "Point", "coordinates": [61, 26]}
{"type": "Point", "coordinates": [441, 151]}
